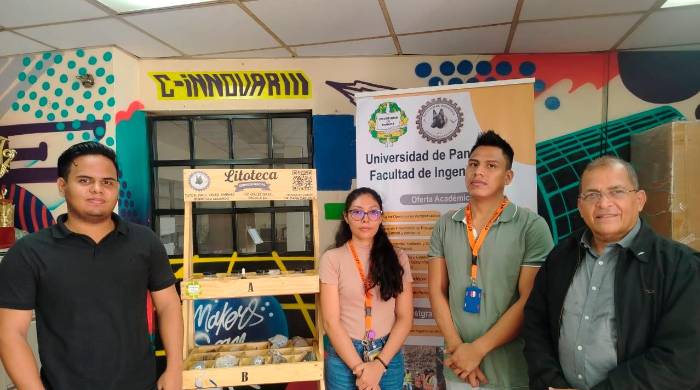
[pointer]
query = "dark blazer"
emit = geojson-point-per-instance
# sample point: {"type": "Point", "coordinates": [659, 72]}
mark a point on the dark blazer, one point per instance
{"type": "Point", "coordinates": [657, 315]}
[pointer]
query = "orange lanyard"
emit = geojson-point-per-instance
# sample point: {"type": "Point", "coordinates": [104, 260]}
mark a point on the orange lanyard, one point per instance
{"type": "Point", "coordinates": [474, 243]}
{"type": "Point", "coordinates": [366, 283]}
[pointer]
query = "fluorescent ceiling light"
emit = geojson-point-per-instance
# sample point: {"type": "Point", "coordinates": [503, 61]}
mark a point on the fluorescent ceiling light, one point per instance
{"type": "Point", "coordinates": [122, 6]}
{"type": "Point", "coordinates": [679, 3]}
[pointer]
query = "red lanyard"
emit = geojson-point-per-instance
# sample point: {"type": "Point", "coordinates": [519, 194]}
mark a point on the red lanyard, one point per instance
{"type": "Point", "coordinates": [474, 243]}
{"type": "Point", "coordinates": [366, 283]}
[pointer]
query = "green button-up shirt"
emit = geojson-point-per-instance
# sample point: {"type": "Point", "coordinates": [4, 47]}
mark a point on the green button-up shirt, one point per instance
{"type": "Point", "coordinates": [518, 238]}
{"type": "Point", "coordinates": [588, 337]}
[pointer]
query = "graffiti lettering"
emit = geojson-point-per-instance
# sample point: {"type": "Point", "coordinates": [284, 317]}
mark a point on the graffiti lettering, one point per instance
{"type": "Point", "coordinates": [231, 85]}
{"type": "Point", "coordinates": [228, 317]}
{"type": "Point", "coordinates": [202, 338]}
{"type": "Point", "coordinates": [162, 79]}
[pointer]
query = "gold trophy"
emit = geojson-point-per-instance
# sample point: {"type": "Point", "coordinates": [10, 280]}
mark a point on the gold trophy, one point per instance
{"type": "Point", "coordinates": [7, 209]}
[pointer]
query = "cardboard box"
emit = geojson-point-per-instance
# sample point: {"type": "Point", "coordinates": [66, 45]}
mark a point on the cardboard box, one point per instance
{"type": "Point", "coordinates": [667, 160]}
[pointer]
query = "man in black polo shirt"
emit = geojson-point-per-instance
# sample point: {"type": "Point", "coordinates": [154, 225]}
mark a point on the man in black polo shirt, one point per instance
{"type": "Point", "coordinates": [86, 278]}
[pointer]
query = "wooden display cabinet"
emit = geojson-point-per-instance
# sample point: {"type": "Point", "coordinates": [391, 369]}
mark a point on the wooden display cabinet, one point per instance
{"type": "Point", "coordinates": [240, 185]}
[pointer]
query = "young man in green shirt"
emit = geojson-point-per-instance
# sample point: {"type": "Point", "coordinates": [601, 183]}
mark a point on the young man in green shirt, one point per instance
{"type": "Point", "coordinates": [484, 259]}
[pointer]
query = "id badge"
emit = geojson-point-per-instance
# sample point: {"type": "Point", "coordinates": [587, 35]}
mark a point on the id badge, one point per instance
{"type": "Point", "coordinates": [371, 351]}
{"type": "Point", "coordinates": [472, 299]}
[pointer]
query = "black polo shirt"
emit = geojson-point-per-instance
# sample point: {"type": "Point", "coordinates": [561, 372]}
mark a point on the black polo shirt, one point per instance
{"type": "Point", "coordinates": [90, 303]}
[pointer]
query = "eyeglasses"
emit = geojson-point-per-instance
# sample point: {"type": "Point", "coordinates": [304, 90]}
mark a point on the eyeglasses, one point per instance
{"type": "Point", "coordinates": [359, 215]}
{"type": "Point", "coordinates": [596, 196]}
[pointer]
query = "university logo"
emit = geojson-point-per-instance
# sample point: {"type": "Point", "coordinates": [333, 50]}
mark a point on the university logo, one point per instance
{"type": "Point", "coordinates": [440, 120]}
{"type": "Point", "coordinates": [388, 123]}
{"type": "Point", "coordinates": [199, 181]}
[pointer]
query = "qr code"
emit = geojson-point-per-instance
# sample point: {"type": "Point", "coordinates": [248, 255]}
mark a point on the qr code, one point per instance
{"type": "Point", "coordinates": [302, 180]}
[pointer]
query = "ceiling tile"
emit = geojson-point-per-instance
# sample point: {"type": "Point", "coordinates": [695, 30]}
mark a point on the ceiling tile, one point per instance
{"type": "Point", "coordinates": [546, 9]}
{"type": "Point", "coordinates": [474, 40]}
{"type": "Point", "coordinates": [367, 47]}
{"type": "Point", "coordinates": [265, 53]}
{"type": "Point", "coordinates": [100, 33]}
{"type": "Point", "coordinates": [213, 29]}
{"type": "Point", "coordinates": [420, 15]}
{"type": "Point", "coordinates": [315, 21]}
{"type": "Point", "coordinates": [11, 43]}
{"type": "Point", "coordinates": [576, 35]}
{"type": "Point", "coordinates": [17, 13]}
{"type": "Point", "coordinates": [672, 26]}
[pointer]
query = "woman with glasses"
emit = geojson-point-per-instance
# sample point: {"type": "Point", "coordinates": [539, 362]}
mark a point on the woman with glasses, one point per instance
{"type": "Point", "coordinates": [366, 300]}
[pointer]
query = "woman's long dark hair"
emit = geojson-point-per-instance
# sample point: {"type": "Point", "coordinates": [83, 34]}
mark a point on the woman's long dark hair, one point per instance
{"type": "Point", "coordinates": [384, 267]}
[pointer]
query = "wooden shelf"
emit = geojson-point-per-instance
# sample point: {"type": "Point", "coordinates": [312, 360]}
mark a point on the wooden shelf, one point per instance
{"type": "Point", "coordinates": [253, 285]}
{"type": "Point", "coordinates": [245, 373]}
{"type": "Point", "coordinates": [253, 375]}
{"type": "Point", "coordinates": [209, 185]}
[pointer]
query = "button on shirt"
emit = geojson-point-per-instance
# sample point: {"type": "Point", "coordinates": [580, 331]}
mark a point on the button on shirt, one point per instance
{"type": "Point", "coordinates": [587, 342]}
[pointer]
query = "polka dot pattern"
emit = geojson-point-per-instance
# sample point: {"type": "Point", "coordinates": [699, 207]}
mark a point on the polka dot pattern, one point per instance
{"type": "Point", "coordinates": [435, 81]}
{"type": "Point", "coordinates": [48, 91]}
{"type": "Point", "coordinates": [483, 68]}
{"type": "Point", "coordinates": [552, 103]}
{"type": "Point", "coordinates": [461, 71]}
{"type": "Point", "coordinates": [447, 68]}
{"type": "Point", "coordinates": [423, 70]}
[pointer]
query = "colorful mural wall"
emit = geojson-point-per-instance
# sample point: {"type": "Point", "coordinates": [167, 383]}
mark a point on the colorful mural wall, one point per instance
{"type": "Point", "coordinates": [597, 99]}
{"type": "Point", "coordinates": [585, 104]}
{"type": "Point", "coordinates": [47, 104]}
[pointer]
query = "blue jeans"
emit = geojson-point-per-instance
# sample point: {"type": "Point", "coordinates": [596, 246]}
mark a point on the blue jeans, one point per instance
{"type": "Point", "coordinates": [338, 375]}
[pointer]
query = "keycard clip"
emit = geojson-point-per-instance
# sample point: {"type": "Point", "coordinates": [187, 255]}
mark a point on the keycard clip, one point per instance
{"type": "Point", "coordinates": [472, 299]}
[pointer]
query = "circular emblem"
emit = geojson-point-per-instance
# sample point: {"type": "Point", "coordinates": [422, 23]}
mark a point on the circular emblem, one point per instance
{"type": "Point", "coordinates": [387, 123]}
{"type": "Point", "coordinates": [192, 289]}
{"type": "Point", "coordinates": [440, 120]}
{"type": "Point", "coordinates": [199, 181]}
